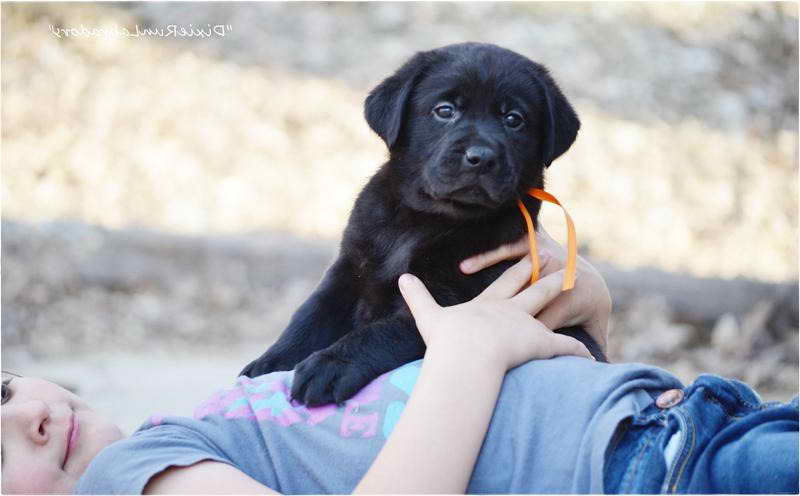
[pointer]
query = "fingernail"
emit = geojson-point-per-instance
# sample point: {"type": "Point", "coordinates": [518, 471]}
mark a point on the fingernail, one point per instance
{"type": "Point", "coordinates": [406, 279]}
{"type": "Point", "coordinates": [466, 266]}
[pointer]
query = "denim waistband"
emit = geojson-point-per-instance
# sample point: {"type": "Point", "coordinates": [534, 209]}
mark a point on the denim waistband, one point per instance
{"type": "Point", "coordinates": [636, 460]}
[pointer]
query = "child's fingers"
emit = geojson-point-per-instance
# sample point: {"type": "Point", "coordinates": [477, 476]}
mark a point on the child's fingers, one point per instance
{"type": "Point", "coordinates": [556, 314]}
{"type": "Point", "coordinates": [510, 282]}
{"type": "Point", "coordinates": [560, 345]}
{"type": "Point", "coordinates": [417, 296]}
{"type": "Point", "coordinates": [534, 298]}
{"type": "Point", "coordinates": [505, 252]}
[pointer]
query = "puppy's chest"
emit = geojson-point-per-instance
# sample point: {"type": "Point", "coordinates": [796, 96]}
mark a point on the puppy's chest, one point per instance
{"type": "Point", "coordinates": [439, 264]}
{"type": "Point", "coordinates": [442, 275]}
{"type": "Point", "coordinates": [435, 258]}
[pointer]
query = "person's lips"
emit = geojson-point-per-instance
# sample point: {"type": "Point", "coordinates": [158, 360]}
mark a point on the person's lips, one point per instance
{"type": "Point", "coordinates": [72, 438]}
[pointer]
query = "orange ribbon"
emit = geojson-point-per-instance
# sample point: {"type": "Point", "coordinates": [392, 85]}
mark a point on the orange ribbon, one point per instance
{"type": "Point", "coordinates": [572, 242]}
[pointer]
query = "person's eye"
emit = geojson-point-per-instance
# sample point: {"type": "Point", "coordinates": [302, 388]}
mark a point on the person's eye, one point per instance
{"type": "Point", "coordinates": [513, 120]}
{"type": "Point", "coordinates": [444, 111]}
{"type": "Point", "coordinates": [6, 393]}
{"type": "Point", "coordinates": [6, 388]}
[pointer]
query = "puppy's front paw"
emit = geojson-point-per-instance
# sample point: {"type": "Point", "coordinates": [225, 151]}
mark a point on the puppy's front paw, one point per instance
{"type": "Point", "coordinates": [324, 377]}
{"type": "Point", "coordinates": [266, 363]}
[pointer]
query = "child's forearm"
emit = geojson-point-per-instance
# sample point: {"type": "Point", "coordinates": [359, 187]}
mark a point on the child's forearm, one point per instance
{"type": "Point", "coordinates": [435, 443]}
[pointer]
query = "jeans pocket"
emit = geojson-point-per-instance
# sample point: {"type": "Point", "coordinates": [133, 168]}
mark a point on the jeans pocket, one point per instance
{"type": "Point", "coordinates": [634, 461]}
{"type": "Point", "coordinates": [680, 441]}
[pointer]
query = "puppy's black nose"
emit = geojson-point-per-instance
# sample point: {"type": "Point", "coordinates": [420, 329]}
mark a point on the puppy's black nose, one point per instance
{"type": "Point", "coordinates": [479, 157]}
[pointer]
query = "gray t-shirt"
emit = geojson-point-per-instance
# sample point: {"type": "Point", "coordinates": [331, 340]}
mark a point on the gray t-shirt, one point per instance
{"type": "Point", "coordinates": [549, 432]}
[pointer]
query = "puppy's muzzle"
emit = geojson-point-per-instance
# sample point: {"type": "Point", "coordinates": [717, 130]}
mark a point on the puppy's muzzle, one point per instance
{"type": "Point", "coordinates": [471, 175]}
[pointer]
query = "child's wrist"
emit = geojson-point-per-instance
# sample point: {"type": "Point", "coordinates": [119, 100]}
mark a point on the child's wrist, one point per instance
{"type": "Point", "coordinates": [449, 356]}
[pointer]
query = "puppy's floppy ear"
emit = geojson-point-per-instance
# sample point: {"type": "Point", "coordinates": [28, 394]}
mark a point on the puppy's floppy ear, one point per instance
{"type": "Point", "coordinates": [385, 105]}
{"type": "Point", "coordinates": [562, 121]}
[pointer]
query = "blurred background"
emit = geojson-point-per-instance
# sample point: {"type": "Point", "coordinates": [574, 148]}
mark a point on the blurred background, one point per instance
{"type": "Point", "coordinates": [168, 201]}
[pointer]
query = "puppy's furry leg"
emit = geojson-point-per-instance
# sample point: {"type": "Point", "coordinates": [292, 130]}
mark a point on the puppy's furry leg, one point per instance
{"type": "Point", "coordinates": [335, 374]}
{"type": "Point", "coordinates": [324, 317]}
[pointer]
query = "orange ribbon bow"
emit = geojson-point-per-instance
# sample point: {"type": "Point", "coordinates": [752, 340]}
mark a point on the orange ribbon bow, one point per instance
{"type": "Point", "coordinates": [572, 243]}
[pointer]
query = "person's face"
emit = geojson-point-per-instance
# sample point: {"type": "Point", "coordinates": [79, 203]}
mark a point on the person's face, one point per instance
{"type": "Point", "coordinates": [49, 436]}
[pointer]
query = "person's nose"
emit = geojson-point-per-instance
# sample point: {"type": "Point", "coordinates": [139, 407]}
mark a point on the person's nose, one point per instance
{"type": "Point", "coordinates": [33, 418]}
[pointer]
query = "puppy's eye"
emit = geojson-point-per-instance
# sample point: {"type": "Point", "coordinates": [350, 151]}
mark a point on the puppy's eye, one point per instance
{"type": "Point", "coordinates": [444, 111]}
{"type": "Point", "coordinates": [513, 120]}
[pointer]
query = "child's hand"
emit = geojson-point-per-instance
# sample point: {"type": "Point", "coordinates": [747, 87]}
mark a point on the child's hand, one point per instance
{"type": "Point", "coordinates": [496, 326]}
{"type": "Point", "coordinates": [588, 304]}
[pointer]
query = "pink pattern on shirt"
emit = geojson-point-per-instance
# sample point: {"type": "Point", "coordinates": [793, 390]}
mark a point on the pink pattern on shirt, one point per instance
{"type": "Point", "coordinates": [367, 424]}
{"type": "Point", "coordinates": [271, 401]}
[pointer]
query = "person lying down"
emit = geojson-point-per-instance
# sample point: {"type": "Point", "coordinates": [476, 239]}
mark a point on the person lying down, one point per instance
{"type": "Point", "coordinates": [499, 404]}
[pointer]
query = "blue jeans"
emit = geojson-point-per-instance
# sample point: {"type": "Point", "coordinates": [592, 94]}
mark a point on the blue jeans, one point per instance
{"type": "Point", "coordinates": [721, 438]}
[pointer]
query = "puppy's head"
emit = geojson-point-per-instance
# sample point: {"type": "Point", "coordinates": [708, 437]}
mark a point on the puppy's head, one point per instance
{"type": "Point", "coordinates": [470, 127]}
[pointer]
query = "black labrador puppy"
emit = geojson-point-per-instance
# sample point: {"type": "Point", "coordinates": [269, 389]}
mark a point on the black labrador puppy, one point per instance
{"type": "Point", "coordinates": [469, 127]}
